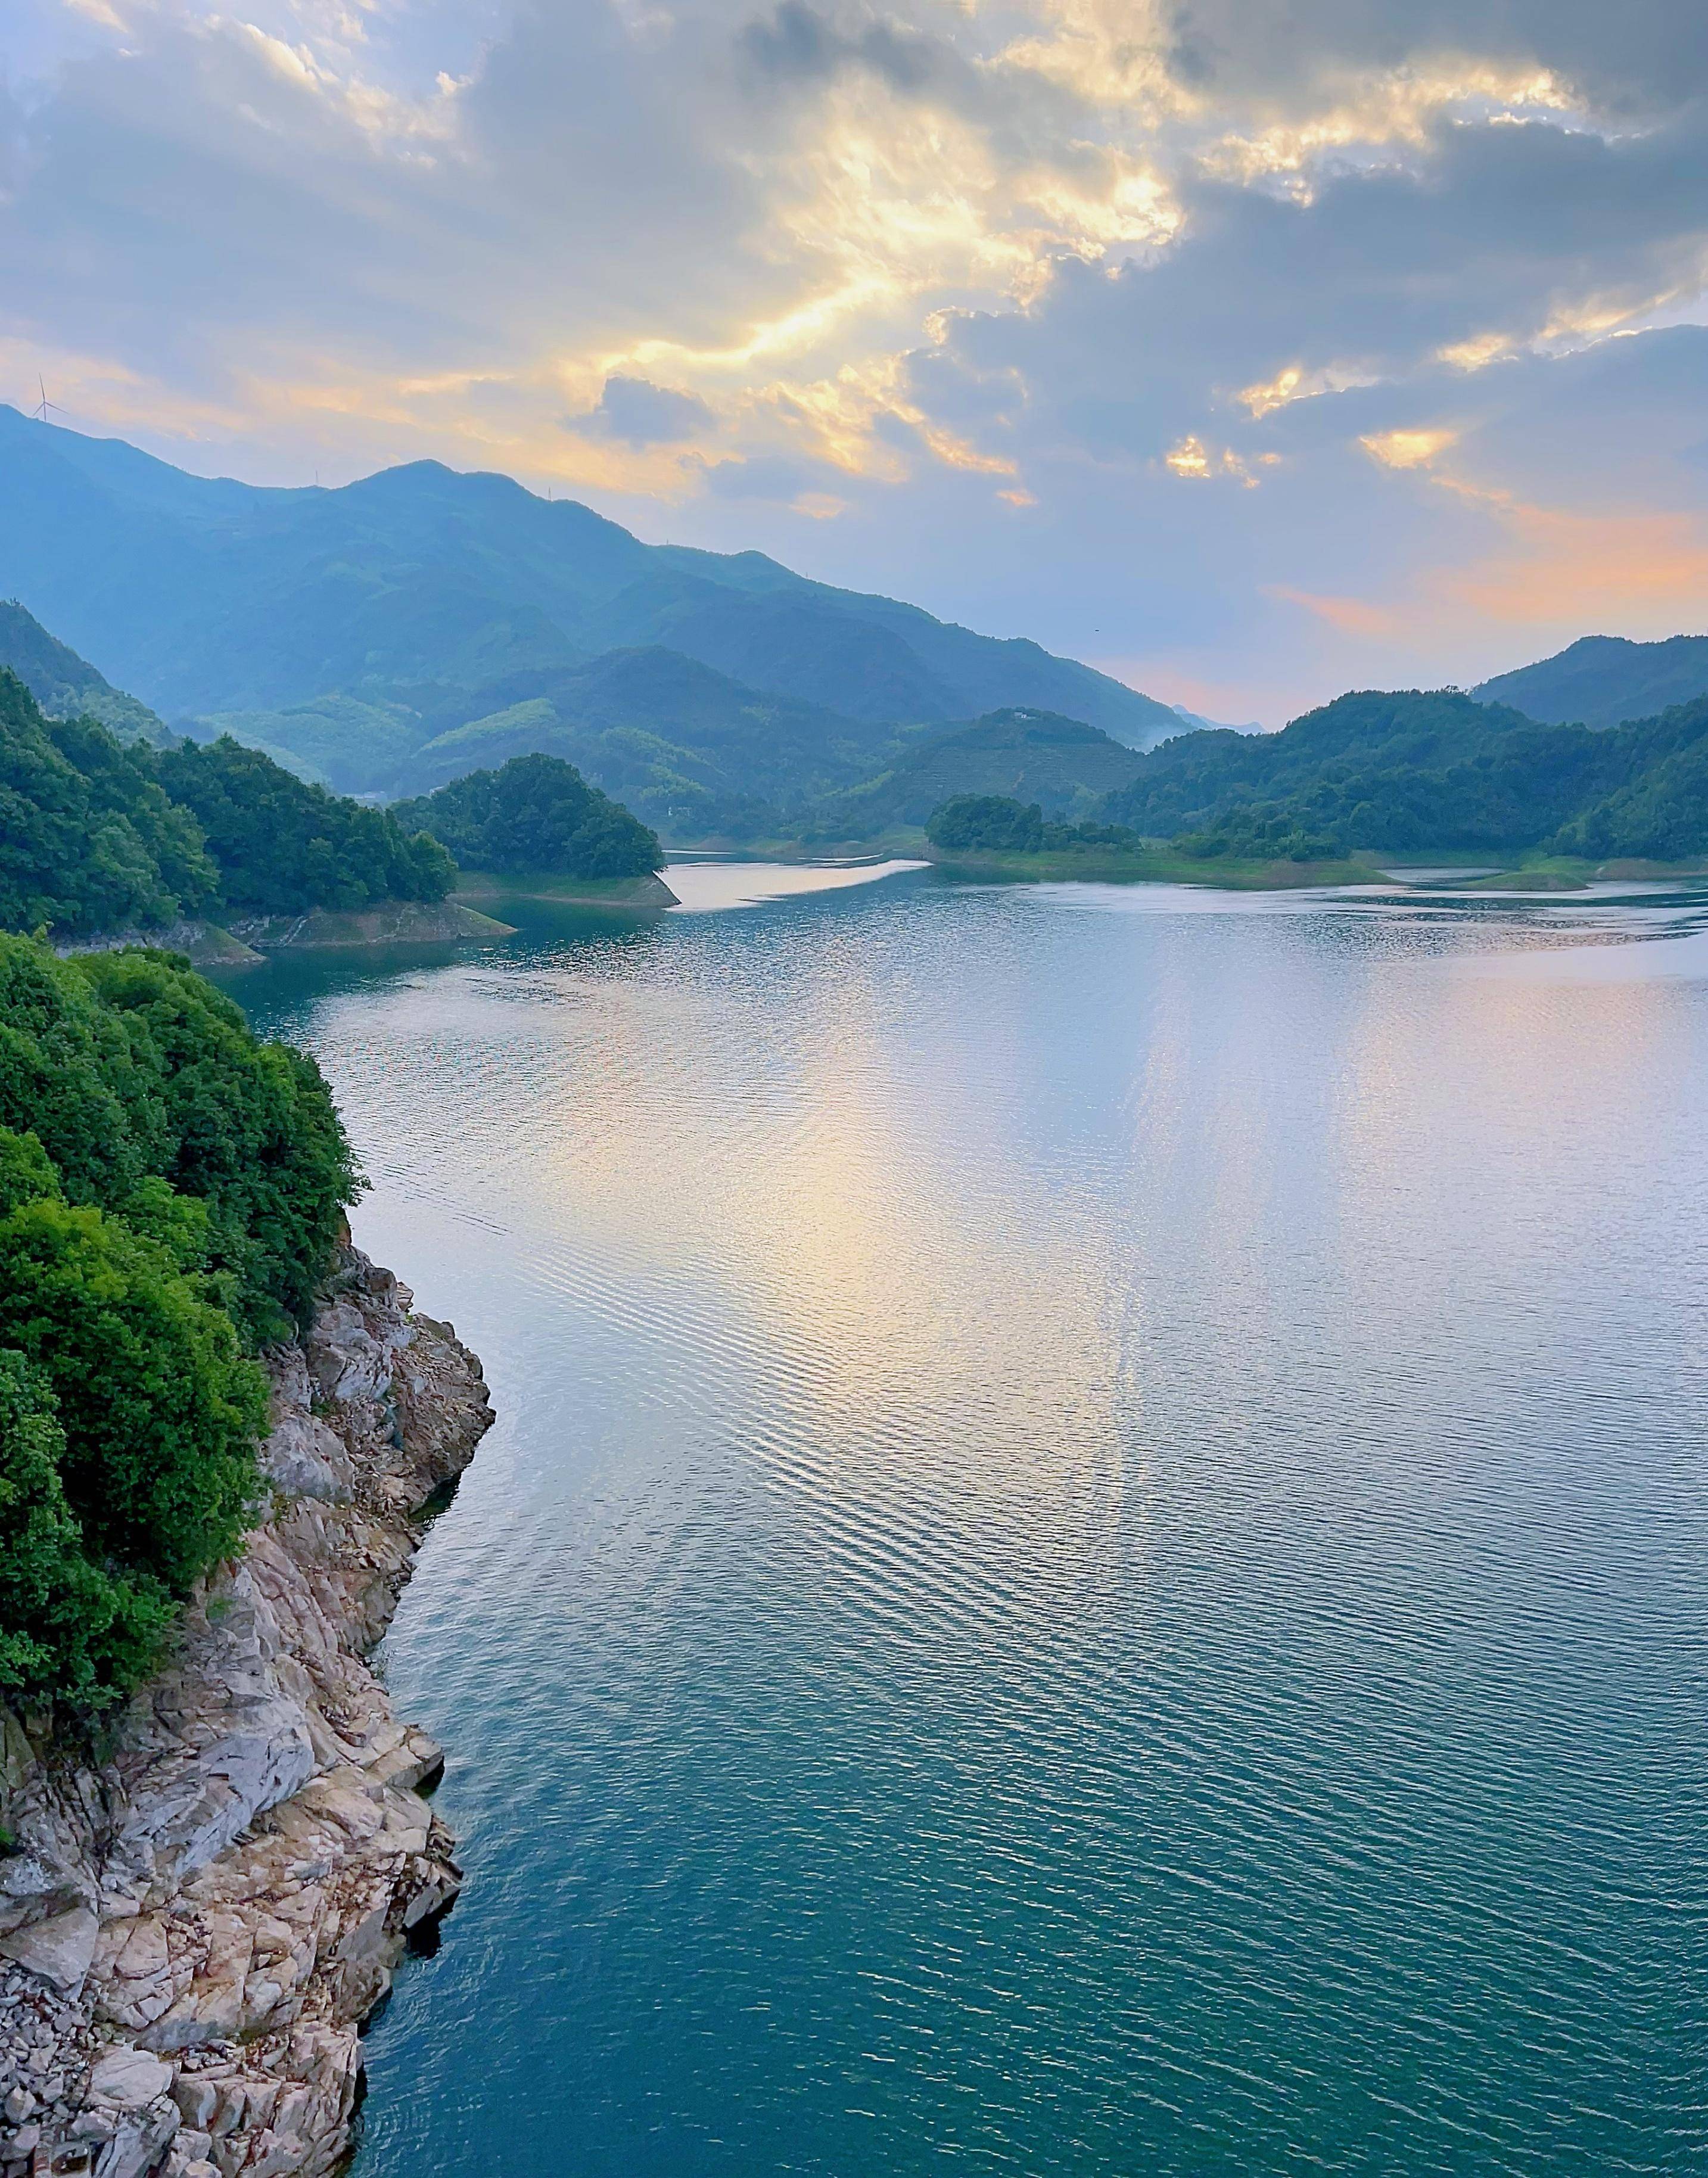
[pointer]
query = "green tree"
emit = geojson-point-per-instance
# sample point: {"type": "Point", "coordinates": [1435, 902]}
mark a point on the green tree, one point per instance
{"type": "Point", "coordinates": [986, 824]}
{"type": "Point", "coordinates": [127, 1066]}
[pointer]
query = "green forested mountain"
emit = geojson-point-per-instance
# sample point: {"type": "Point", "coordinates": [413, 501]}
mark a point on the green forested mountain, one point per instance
{"type": "Point", "coordinates": [170, 1193]}
{"type": "Point", "coordinates": [213, 597]}
{"type": "Point", "coordinates": [688, 747]}
{"type": "Point", "coordinates": [535, 815]}
{"type": "Point", "coordinates": [1603, 679]}
{"type": "Point", "coordinates": [689, 750]}
{"type": "Point", "coordinates": [1399, 772]}
{"type": "Point", "coordinates": [1066, 767]}
{"type": "Point", "coordinates": [96, 835]}
{"type": "Point", "coordinates": [68, 686]}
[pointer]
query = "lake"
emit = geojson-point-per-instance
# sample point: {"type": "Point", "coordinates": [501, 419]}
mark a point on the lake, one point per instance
{"type": "Point", "coordinates": [1094, 1558]}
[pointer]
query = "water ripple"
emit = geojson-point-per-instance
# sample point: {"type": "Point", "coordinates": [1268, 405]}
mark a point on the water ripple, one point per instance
{"type": "Point", "coordinates": [1093, 1561]}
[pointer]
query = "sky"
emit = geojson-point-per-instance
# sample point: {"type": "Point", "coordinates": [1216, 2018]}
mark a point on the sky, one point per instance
{"type": "Point", "coordinates": [1249, 349]}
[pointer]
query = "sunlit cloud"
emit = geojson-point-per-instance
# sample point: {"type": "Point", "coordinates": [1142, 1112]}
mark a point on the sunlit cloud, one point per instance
{"type": "Point", "coordinates": [861, 290]}
{"type": "Point", "coordinates": [1407, 450]}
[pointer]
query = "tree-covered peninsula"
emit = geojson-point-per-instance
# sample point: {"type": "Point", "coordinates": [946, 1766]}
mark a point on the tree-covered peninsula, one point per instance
{"type": "Point", "coordinates": [535, 815]}
{"type": "Point", "coordinates": [100, 835]}
{"type": "Point", "coordinates": [170, 1189]}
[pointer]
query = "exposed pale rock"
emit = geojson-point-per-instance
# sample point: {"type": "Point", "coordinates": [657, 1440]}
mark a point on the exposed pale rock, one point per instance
{"type": "Point", "coordinates": [129, 2076]}
{"type": "Point", "coordinates": [207, 1917]}
{"type": "Point", "coordinates": [59, 1949]}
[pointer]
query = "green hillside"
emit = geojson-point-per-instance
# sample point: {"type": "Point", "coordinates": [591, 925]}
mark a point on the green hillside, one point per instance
{"type": "Point", "coordinates": [1065, 766]}
{"type": "Point", "coordinates": [213, 598]}
{"type": "Point", "coordinates": [1401, 772]}
{"type": "Point", "coordinates": [1603, 679]}
{"type": "Point", "coordinates": [693, 753]}
{"type": "Point", "coordinates": [68, 686]}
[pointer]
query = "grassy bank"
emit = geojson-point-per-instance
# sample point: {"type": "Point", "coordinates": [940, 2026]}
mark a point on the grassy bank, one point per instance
{"type": "Point", "coordinates": [487, 886]}
{"type": "Point", "coordinates": [1150, 865]}
{"type": "Point", "coordinates": [1545, 873]}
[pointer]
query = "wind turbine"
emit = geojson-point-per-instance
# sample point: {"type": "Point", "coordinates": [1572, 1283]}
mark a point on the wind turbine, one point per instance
{"type": "Point", "coordinates": [40, 411]}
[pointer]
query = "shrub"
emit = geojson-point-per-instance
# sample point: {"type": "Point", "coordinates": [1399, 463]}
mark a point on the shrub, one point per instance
{"type": "Point", "coordinates": [986, 824]}
{"type": "Point", "coordinates": [129, 1064]}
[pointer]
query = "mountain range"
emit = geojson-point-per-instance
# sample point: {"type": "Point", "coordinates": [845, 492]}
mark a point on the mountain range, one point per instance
{"type": "Point", "coordinates": [347, 629]}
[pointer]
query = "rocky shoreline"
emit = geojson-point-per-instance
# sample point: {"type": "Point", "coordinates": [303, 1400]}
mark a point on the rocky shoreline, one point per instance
{"type": "Point", "coordinates": [198, 1913]}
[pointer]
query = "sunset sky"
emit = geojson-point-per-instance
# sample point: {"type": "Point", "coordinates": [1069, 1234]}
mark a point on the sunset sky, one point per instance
{"type": "Point", "coordinates": [1248, 350]}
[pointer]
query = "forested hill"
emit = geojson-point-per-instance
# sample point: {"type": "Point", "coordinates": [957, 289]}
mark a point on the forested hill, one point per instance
{"type": "Point", "coordinates": [1603, 679]}
{"type": "Point", "coordinates": [536, 815]}
{"type": "Point", "coordinates": [208, 595]}
{"type": "Point", "coordinates": [96, 835]}
{"type": "Point", "coordinates": [66, 685]}
{"type": "Point", "coordinates": [1400, 772]}
{"type": "Point", "coordinates": [1030, 756]}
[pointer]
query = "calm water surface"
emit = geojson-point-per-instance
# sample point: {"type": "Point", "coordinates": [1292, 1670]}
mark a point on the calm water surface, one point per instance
{"type": "Point", "coordinates": [1094, 1557]}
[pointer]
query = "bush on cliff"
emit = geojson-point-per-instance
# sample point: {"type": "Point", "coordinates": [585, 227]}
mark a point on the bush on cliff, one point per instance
{"type": "Point", "coordinates": [170, 1191]}
{"type": "Point", "coordinates": [69, 1628]}
{"type": "Point", "coordinates": [130, 1067]}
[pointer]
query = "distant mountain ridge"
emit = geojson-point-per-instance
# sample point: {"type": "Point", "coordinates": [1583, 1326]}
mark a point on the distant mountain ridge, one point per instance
{"type": "Point", "coordinates": [213, 596]}
{"type": "Point", "coordinates": [1065, 766]}
{"type": "Point", "coordinates": [1433, 769]}
{"type": "Point", "coordinates": [1604, 680]}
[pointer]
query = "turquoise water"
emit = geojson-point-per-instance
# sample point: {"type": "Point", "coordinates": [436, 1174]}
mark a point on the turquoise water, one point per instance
{"type": "Point", "coordinates": [1094, 1557]}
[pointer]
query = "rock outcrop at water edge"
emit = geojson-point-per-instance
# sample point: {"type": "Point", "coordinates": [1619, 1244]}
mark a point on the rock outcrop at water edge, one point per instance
{"type": "Point", "coordinates": [197, 1911]}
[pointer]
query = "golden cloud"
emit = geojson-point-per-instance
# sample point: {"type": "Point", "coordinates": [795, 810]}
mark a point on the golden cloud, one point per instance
{"type": "Point", "coordinates": [1407, 450]}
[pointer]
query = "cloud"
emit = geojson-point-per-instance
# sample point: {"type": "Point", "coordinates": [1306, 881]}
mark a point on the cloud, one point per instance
{"type": "Point", "coordinates": [643, 414]}
{"type": "Point", "coordinates": [1274, 316]}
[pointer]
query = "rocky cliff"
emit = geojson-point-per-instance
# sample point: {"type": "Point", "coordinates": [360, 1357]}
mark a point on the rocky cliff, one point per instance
{"type": "Point", "coordinates": [199, 1909]}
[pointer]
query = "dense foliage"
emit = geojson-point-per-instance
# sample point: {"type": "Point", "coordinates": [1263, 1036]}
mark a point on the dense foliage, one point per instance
{"type": "Point", "coordinates": [88, 839]}
{"type": "Point", "coordinates": [282, 845]}
{"type": "Point", "coordinates": [100, 835]}
{"type": "Point", "coordinates": [535, 813]}
{"type": "Point", "coordinates": [1419, 771]}
{"type": "Point", "coordinates": [170, 1191]}
{"type": "Point", "coordinates": [996, 824]}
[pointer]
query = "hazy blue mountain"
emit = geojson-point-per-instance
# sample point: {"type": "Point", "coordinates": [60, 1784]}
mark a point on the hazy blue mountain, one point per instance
{"type": "Point", "coordinates": [1603, 679]}
{"type": "Point", "coordinates": [1027, 756]}
{"type": "Point", "coordinates": [691, 751]}
{"type": "Point", "coordinates": [214, 597]}
{"type": "Point", "coordinates": [1196, 719]}
{"type": "Point", "coordinates": [68, 686]}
